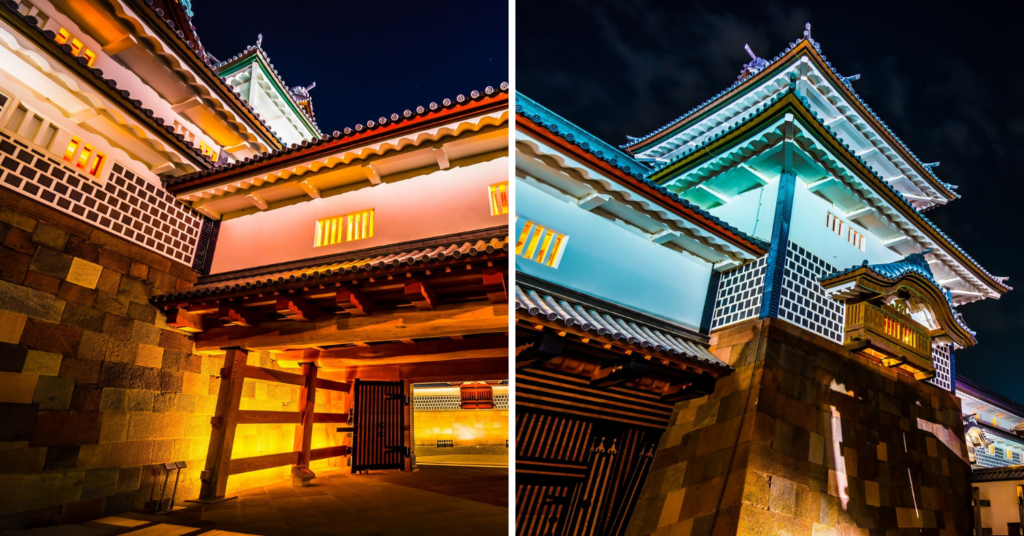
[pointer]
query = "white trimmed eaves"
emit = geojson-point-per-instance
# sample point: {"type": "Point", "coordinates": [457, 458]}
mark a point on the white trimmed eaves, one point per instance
{"type": "Point", "coordinates": [536, 149]}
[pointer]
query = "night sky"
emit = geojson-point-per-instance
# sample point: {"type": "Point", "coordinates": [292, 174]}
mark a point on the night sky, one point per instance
{"type": "Point", "coordinates": [368, 59]}
{"type": "Point", "coordinates": [947, 81]}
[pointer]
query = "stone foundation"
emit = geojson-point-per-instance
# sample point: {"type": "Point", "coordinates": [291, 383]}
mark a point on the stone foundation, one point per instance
{"type": "Point", "coordinates": [806, 439]}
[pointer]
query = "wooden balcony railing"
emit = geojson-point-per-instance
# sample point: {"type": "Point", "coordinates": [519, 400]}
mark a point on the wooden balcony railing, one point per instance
{"type": "Point", "coordinates": [889, 335]}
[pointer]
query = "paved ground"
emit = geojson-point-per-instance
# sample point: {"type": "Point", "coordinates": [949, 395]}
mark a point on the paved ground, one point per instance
{"type": "Point", "coordinates": [435, 500]}
{"type": "Point", "coordinates": [490, 460]}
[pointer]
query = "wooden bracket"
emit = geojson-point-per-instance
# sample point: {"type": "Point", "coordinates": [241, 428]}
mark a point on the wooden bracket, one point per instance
{"type": "Point", "coordinates": [238, 315]}
{"type": "Point", "coordinates": [184, 320]}
{"type": "Point", "coordinates": [420, 295]}
{"type": "Point", "coordinates": [297, 309]}
{"type": "Point", "coordinates": [494, 285]}
{"type": "Point", "coordinates": [354, 302]}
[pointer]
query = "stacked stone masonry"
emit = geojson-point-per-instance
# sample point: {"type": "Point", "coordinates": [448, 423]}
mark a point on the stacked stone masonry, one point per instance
{"type": "Point", "coordinates": [96, 391]}
{"type": "Point", "coordinates": [805, 438]}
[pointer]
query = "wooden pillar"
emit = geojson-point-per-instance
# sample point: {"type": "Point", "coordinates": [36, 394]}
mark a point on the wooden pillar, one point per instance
{"type": "Point", "coordinates": [976, 499]}
{"type": "Point", "coordinates": [222, 439]}
{"type": "Point", "coordinates": [408, 428]}
{"type": "Point", "coordinates": [301, 473]}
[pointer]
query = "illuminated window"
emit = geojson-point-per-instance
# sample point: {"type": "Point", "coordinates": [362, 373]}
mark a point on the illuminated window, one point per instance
{"type": "Point", "coordinates": [64, 37]}
{"type": "Point", "coordinates": [838, 227]}
{"type": "Point", "coordinates": [83, 157]}
{"type": "Point", "coordinates": [346, 228]}
{"type": "Point", "coordinates": [97, 164]}
{"type": "Point", "coordinates": [540, 244]}
{"type": "Point", "coordinates": [208, 151]}
{"type": "Point", "coordinates": [72, 149]}
{"type": "Point", "coordinates": [499, 198]}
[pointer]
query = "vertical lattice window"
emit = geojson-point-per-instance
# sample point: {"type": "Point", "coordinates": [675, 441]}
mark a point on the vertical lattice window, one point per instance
{"type": "Point", "coordinates": [64, 37]}
{"type": "Point", "coordinates": [851, 235]}
{"type": "Point", "coordinates": [739, 294]}
{"type": "Point", "coordinates": [345, 228]}
{"type": "Point", "coordinates": [541, 244]}
{"type": "Point", "coordinates": [941, 359]}
{"type": "Point", "coordinates": [499, 198]}
{"type": "Point", "coordinates": [804, 302]}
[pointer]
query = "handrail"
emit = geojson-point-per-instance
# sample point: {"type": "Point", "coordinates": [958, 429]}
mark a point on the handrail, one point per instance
{"type": "Point", "coordinates": [891, 325]}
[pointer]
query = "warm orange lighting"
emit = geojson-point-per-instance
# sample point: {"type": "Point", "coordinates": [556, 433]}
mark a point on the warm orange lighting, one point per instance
{"type": "Point", "coordinates": [346, 228]}
{"type": "Point", "coordinates": [83, 158]}
{"type": "Point", "coordinates": [208, 151]}
{"type": "Point", "coordinates": [69, 154]}
{"type": "Point", "coordinates": [89, 55]}
{"type": "Point", "coordinates": [499, 198]}
{"type": "Point", "coordinates": [541, 245]}
{"type": "Point", "coordinates": [97, 164]}
{"type": "Point", "coordinates": [76, 46]}
{"type": "Point", "coordinates": [62, 36]}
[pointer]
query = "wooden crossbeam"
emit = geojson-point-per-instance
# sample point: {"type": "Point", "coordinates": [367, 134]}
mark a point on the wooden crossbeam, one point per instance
{"type": "Point", "coordinates": [400, 353]}
{"type": "Point", "coordinates": [301, 474]}
{"type": "Point", "coordinates": [445, 321]}
{"type": "Point", "coordinates": [184, 320]}
{"type": "Point", "coordinates": [417, 292]}
{"type": "Point", "coordinates": [329, 452]}
{"type": "Point", "coordinates": [297, 309]}
{"type": "Point", "coordinates": [354, 302]}
{"type": "Point", "coordinates": [271, 375]}
{"type": "Point", "coordinates": [258, 463]}
{"type": "Point", "coordinates": [494, 285]}
{"type": "Point", "coordinates": [336, 418]}
{"type": "Point", "coordinates": [332, 385]}
{"type": "Point", "coordinates": [269, 417]}
{"type": "Point", "coordinates": [239, 315]}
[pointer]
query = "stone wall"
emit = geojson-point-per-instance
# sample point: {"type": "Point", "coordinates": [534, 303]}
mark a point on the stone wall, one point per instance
{"type": "Point", "coordinates": [805, 438]}
{"type": "Point", "coordinates": [95, 388]}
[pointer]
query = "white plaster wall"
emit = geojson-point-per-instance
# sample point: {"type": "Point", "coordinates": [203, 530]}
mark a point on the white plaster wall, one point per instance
{"type": "Point", "coordinates": [808, 230]}
{"type": "Point", "coordinates": [1003, 496]}
{"type": "Point", "coordinates": [434, 204]}
{"type": "Point", "coordinates": [752, 212]}
{"type": "Point", "coordinates": [609, 262]}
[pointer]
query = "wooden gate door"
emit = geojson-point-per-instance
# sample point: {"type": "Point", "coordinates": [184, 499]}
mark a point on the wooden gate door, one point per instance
{"type": "Point", "coordinates": [379, 439]}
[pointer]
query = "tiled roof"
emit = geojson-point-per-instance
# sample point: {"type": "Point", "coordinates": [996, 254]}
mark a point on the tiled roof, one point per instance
{"type": "Point", "coordinates": [999, 281]}
{"type": "Point", "coordinates": [585, 317]}
{"type": "Point", "coordinates": [320, 269]}
{"type": "Point", "coordinates": [892, 271]}
{"type": "Point", "coordinates": [560, 126]}
{"type": "Point", "coordinates": [121, 95]}
{"type": "Point", "coordinates": [383, 124]}
{"type": "Point", "coordinates": [743, 79]}
{"type": "Point", "coordinates": [996, 474]}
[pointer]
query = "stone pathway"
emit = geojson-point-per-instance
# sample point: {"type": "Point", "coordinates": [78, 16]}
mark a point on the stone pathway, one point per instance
{"type": "Point", "coordinates": [435, 500]}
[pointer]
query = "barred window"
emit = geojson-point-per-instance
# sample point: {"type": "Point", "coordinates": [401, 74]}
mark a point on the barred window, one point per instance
{"type": "Point", "coordinates": [345, 228]}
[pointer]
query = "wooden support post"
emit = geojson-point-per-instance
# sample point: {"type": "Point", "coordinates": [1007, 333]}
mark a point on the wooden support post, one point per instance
{"type": "Point", "coordinates": [301, 473]}
{"type": "Point", "coordinates": [494, 285]}
{"type": "Point", "coordinates": [408, 431]}
{"type": "Point", "coordinates": [218, 457]}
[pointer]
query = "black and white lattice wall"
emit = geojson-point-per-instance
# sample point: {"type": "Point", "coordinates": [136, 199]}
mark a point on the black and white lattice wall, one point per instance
{"type": "Point", "coordinates": [739, 294]}
{"type": "Point", "coordinates": [941, 360]}
{"type": "Point", "coordinates": [804, 302]}
{"type": "Point", "coordinates": [127, 205]}
{"type": "Point", "coordinates": [436, 402]}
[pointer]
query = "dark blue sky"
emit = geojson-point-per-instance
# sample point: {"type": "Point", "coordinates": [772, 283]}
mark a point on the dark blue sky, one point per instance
{"type": "Point", "coordinates": [368, 59]}
{"type": "Point", "coordinates": [946, 79]}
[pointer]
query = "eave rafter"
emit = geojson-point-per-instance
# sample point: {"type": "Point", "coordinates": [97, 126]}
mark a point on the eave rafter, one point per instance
{"type": "Point", "coordinates": [858, 180]}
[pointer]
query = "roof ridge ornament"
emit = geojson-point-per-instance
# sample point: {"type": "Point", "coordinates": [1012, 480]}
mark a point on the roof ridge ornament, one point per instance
{"type": "Point", "coordinates": [755, 65]}
{"type": "Point", "coordinates": [259, 41]}
{"type": "Point", "coordinates": [931, 165]}
{"type": "Point", "coordinates": [807, 36]}
{"type": "Point", "coordinates": [847, 79]}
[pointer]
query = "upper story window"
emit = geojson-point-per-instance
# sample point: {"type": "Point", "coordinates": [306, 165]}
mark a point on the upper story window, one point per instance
{"type": "Point", "coordinates": [499, 198]}
{"type": "Point", "coordinates": [28, 10]}
{"type": "Point", "coordinates": [540, 244]}
{"type": "Point", "coordinates": [77, 48]}
{"type": "Point", "coordinates": [83, 156]}
{"type": "Point", "coordinates": [851, 235]}
{"type": "Point", "coordinates": [206, 150]}
{"type": "Point", "coordinates": [345, 228]}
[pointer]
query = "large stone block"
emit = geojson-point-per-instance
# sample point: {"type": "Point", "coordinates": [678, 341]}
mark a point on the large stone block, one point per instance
{"type": "Point", "coordinates": [82, 511]}
{"type": "Point", "coordinates": [17, 219]}
{"type": "Point", "coordinates": [83, 317]}
{"type": "Point", "coordinates": [47, 489]}
{"type": "Point", "coordinates": [93, 456]}
{"type": "Point", "coordinates": [54, 393]}
{"type": "Point", "coordinates": [129, 478]}
{"type": "Point", "coordinates": [114, 261]}
{"type": "Point", "coordinates": [17, 421]}
{"type": "Point", "coordinates": [71, 292]}
{"type": "Point", "coordinates": [20, 241]}
{"type": "Point", "coordinates": [172, 382]}
{"type": "Point", "coordinates": [100, 483]}
{"type": "Point", "coordinates": [144, 333]}
{"type": "Point", "coordinates": [86, 398]}
{"type": "Point", "coordinates": [115, 400]}
{"type": "Point", "coordinates": [11, 326]}
{"type": "Point", "coordinates": [195, 384]}
{"type": "Point", "coordinates": [140, 400]}
{"type": "Point", "coordinates": [29, 302]}
{"type": "Point", "coordinates": [114, 428]}
{"type": "Point", "coordinates": [133, 290]}
{"type": "Point", "coordinates": [19, 459]}
{"type": "Point", "coordinates": [138, 270]}
{"type": "Point", "coordinates": [42, 283]}
{"type": "Point", "coordinates": [12, 357]}
{"type": "Point", "coordinates": [143, 312]}
{"type": "Point", "coordinates": [93, 346]}
{"type": "Point", "coordinates": [60, 458]}
{"type": "Point", "coordinates": [131, 453]}
{"type": "Point", "coordinates": [175, 340]}
{"type": "Point", "coordinates": [109, 281]}
{"type": "Point", "coordinates": [17, 388]}
{"type": "Point", "coordinates": [42, 363]}
{"type": "Point", "coordinates": [108, 303]}
{"type": "Point", "coordinates": [13, 265]}
{"type": "Point", "coordinates": [117, 327]}
{"type": "Point", "coordinates": [58, 429]}
{"type": "Point", "coordinates": [81, 371]}
{"type": "Point", "coordinates": [83, 249]}
{"type": "Point", "coordinates": [51, 262]}
{"type": "Point", "coordinates": [149, 356]}
{"type": "Point", "coordinates": [50, 337]}
{"type": "Point", "coordinates": [50, 236]}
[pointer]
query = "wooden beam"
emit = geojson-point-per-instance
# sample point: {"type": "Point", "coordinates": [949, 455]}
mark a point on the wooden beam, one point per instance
{"type": "Point", "coordinates": [336, 418]}
{"type": "Point", "coordinates": [258, 201]}
{"type": "Point", "coordinates": [184, 320]}
{"type": "Point", "coordinates": [271, 375]}
{"type": "Point", "coordinates": [269, 417]}
{"type": "Point", "coordinates": [222, 439]}
{"type": "Point", "coordinates": [258, 463]}
{"type": "Point", "coordinates": [417, 292]}
{"type": "Point", "coordinates": [311, 191]}
{"type": "Point", "coordinates": [329, 452]}
{"type": "Point", "coordinates": [301, 474]}
{"type": "Point", "coordinates": [239, 315]}
{"type": "Point", "coordinates": [371, 174]}
{"type": "Point", "coordinates": [447, 320]}
{"type": "Point", "coordinates": [297, 309]}
{"type": "Point", "coordinates": [494, 285]}
{"type": "Point", "coordinates": [331, 385]}
{"type": "Point", "coordinates": [432, 350]}
{"type": "Point", "coordinates": [435, 371]}
{"type": "Point", "coordinates": [354, 302]}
